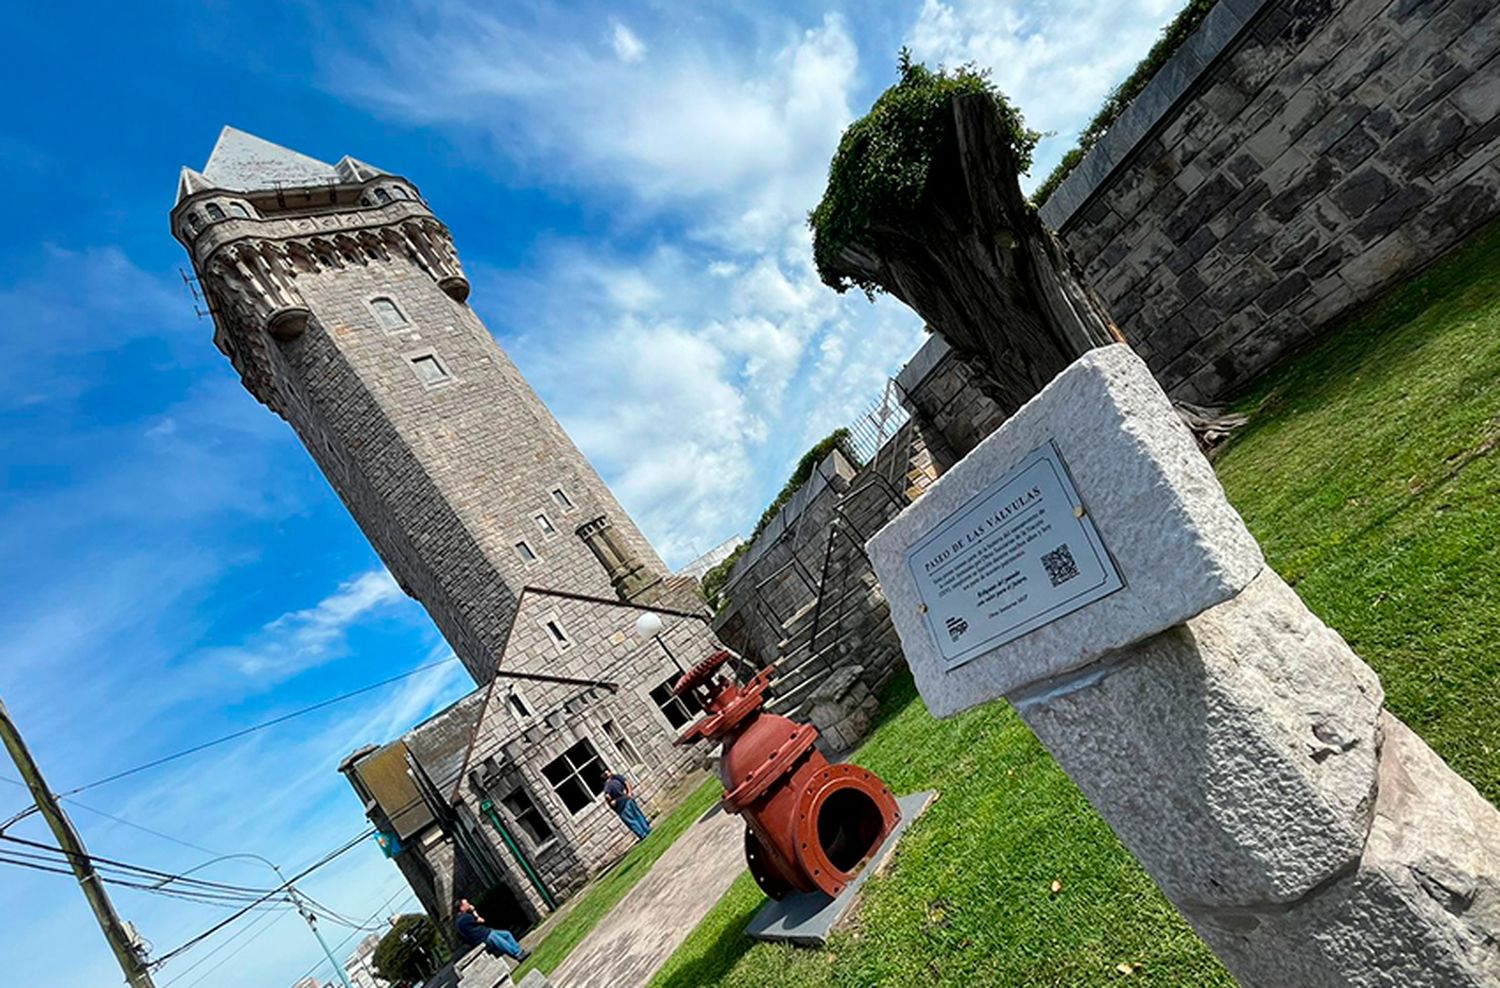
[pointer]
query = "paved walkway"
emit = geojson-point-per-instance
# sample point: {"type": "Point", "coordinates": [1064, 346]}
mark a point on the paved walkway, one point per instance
{"type": "Point", "coordinates": [641, 932]}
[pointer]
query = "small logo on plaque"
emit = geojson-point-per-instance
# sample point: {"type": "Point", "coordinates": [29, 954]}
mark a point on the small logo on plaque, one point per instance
{"type": "Point", "coordinates": [956, 627]}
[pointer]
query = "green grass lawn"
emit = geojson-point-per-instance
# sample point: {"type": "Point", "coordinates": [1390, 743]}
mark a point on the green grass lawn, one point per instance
{"type": "Point", "coordinates": [585, 911]}
{"type": "Point", "coordinates": [1369, 478]}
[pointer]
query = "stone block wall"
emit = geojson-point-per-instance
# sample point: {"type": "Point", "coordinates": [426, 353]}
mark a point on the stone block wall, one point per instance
{"type": "Point", "coordinates": [511, 748]}
{"type": "Point", "coordinates": [1302, 158]}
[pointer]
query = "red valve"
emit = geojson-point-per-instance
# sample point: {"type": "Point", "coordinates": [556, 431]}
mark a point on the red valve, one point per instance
{"type": "Point", "coordinates": [809, 826]}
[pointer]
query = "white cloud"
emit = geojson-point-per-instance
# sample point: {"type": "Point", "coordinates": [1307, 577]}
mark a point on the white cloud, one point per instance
{"type": "Point", "coordinates": [1056, 60]}
{"type": "Point", "coordinates": [628, 47]}
{"type": "Point", "coordinates": [311, 636]}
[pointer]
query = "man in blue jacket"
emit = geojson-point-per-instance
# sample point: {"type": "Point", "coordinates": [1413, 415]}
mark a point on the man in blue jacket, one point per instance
{"type": "Point", "coordinates": [621, 799]}
{"type": "Point", "coordinates": [471, 930]}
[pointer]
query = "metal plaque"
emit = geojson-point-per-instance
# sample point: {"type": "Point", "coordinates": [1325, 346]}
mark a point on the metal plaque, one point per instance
{"type": "Point", "coordinates": [1020, 554]}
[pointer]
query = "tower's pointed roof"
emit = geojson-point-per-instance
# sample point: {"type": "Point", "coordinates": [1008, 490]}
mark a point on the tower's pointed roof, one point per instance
{"type": "Point", "coordinates": [246, 163]}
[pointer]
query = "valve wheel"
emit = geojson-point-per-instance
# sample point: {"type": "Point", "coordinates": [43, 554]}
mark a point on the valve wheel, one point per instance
{"type": "Point", "coordinates": [702, 673]}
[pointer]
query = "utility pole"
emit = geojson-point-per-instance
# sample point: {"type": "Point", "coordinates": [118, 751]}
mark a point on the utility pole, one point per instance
{"type": "Point", "coordinates": [136, 974]}
{"type": "Point", "coordinates": [312, 921]}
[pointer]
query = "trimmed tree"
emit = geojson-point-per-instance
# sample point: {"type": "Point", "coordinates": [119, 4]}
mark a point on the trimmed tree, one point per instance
{"type": "Point", "coordinates": [410, 951]}
{"type": "Point", "coordinates": [924, 203]}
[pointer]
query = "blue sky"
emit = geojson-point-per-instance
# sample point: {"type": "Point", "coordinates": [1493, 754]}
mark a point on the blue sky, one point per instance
{"type": "Point", "coordinates": [626, 184]}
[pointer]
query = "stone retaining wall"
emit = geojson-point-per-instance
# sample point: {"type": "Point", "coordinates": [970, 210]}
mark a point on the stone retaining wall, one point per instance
{"type": "Point", "coordinates": [1293, 160]}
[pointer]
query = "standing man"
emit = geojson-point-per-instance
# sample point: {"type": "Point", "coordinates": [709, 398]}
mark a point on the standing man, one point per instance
{"type": "Point", "coordinates": [471, 930]}
{"type": "Point", "coordinates": [621, 799]}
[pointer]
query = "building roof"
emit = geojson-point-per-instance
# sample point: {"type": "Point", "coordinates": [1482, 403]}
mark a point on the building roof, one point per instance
{"type": "Point", "coordinates": [242, 162]}
{"type": "Point", "coordinates": [246, 163]}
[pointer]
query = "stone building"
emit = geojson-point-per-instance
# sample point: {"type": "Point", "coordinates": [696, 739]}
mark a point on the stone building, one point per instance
{"type": "Point", "coordinates": [339, 297]}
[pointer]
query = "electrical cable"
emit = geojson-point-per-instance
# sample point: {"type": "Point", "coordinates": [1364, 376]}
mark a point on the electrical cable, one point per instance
{"type": "Point", "coordinates": [229, 940]}
{"type": "Point", "coordinates": [194, 941]}
{"type": "Point", "coordinates": [401, 893]}
{"type": "Point", "coordinates": [255, 727]}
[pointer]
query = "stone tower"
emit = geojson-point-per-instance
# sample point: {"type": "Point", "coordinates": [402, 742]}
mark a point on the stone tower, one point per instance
{"type": "Point", "coordinates": [339, 298]}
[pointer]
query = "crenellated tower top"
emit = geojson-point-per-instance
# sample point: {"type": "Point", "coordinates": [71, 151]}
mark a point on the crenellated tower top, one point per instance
{"type": "Point", "coordinates": [259, 215]}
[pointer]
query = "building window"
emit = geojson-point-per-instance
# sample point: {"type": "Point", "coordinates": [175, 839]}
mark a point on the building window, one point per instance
{"type": "Point", "coordinates": [193, 222]}
{"type": "Point", "coordinates": [429, 370]}
{"type": "Point", "coordinates": [530, 819]}
{"type": "Point", "coordinates": [399, 192]}
{"type": "Point", "coordinates": [236, 209]}
{"type": "Point", "coordinates": [382, 196]}
{"type": "Point", "coordinates": [562, 499]}
{"type": "Point", "coordinates": [525, 551]}
{"type": "Point", "coordinates": [621, 742]}
{"type": "Point", "coordinates": [679, 710]}
{"type": "Point", "coordinates": [213, 211]}
{"type": "Point", "coordinates": [517, 705]}
{"type": "Point", "coordinates": [577, 776]}
{"type": "Point", "coordinates": [385, 310]}
{"type": "Point", "coordinates": [558, 636]}
{"type": "Point", "coordinates": [545, 525]}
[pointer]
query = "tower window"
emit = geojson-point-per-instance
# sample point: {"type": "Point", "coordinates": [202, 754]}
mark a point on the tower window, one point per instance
{"type": "Point", "coordinates": [385, 310]}
{"type": "Point", "coordinates": [517, 705]}
{"type": "Point", "coordinates": [213, 211]}
{"type": "Point", "coordinates": [558, 636]}
{"type": "Point", "coordinates": [429, 370]}
{"type": "Point", "coordinates": [237, 209]}
{"type": "Point", "coordinates": [545, 525]}
{"type": "Point", "coordinates": [399, 192]}
{"type": "Point", "coordinates": [577, 776]}
{"type": "Point", "coordinates": [526, 552]}
{"type": "Point", "coordinates": [562, 499]}
{"type": "Point", "coordinates": [382, 196]}
{"type": "Point", "coordinates": [193, 222]}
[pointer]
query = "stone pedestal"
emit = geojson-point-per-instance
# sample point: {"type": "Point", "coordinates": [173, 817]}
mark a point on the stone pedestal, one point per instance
{"type": "Point", "coordinates": [1232, 741]}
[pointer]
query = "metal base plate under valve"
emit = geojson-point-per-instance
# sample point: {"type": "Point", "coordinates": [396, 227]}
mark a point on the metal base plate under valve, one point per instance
{"type": "Point", "coordinates": [811, 827]}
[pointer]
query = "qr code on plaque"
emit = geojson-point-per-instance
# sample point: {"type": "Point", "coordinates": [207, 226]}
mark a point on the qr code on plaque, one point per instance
{"type": "Point", "coordinates": [1060, 565]}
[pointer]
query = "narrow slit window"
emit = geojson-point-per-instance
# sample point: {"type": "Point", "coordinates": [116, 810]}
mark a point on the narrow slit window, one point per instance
{"type": "Point", "coordinates": [429, 370]}
{"type": "Point", "coordinates": [526, 552]}
{"type": "Point", "coordinates": [562, 499]}
{"type": "Point", "coordinates": [213, 211]}
{"type": "Point", "coordinates": [518, 706]}
{"type": "Point", "coordinates": [193, 222]}
{"type": "Point", "coordinates": [545, 525]}
{"type": "Point", "coordinates": [385, 310]}
{"type": "Point", "coordinates": [559, 637]}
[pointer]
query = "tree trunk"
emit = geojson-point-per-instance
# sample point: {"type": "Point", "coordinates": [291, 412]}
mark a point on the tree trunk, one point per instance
{"type": "Point", "coordinates": [980, 267]}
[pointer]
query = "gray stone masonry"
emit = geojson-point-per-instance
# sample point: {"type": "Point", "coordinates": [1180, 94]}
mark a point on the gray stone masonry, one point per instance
{"type": "Point", "coordinates": [347, 317]}
{"type": "Point", "coordinates": [1233, 742]}
{"type": "Point", "coordinates": [1328, 150]}
{"type": "Point", "coordinates": [627, 729]}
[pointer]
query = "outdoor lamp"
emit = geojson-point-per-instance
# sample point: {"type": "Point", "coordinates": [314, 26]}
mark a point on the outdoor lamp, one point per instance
{"type": "Point", "coordinates": [650, 625]}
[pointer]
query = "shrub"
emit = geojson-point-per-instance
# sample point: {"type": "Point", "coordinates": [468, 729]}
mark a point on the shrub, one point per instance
{"type": "Point", "coordinates": [411, 951]}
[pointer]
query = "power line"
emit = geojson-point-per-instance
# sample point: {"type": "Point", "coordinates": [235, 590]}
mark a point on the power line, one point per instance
{"type": "Point", "coordinates": [401, 893]}
{"type": "Point", "coordinates": [256, 727]}
{"type": "Point", "coordinates": [284, 886]}
{"type": "Point", "coordinates": [278, 916]}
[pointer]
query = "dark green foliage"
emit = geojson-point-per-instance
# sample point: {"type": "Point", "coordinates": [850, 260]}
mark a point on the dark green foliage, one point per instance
{"type": "Point", "coordinates": [1172, 37]}
{"type": "Point", "coordinates": [880, 171]}
{"type": "Point", "coordinates": [402, 958]}
{"type": "Point", "coordinates": [714, 580]}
